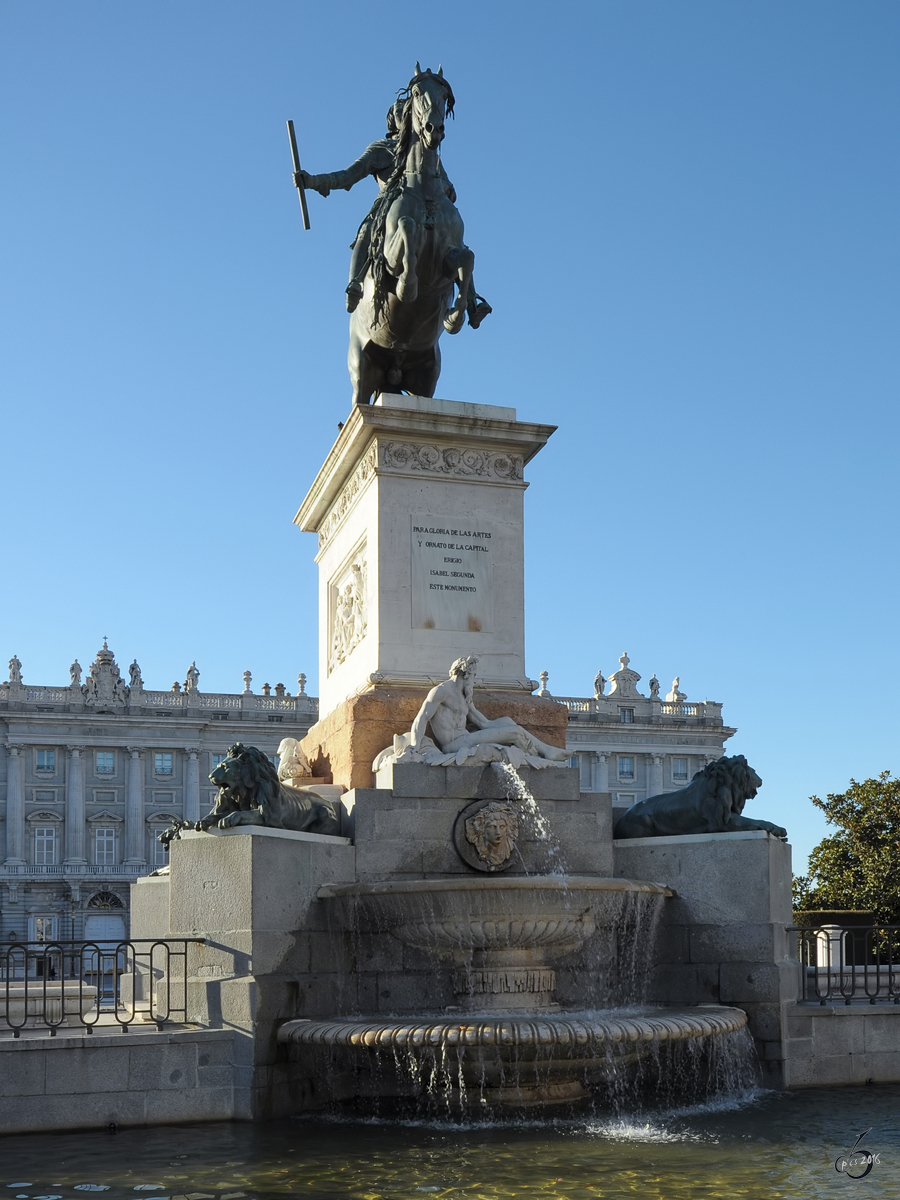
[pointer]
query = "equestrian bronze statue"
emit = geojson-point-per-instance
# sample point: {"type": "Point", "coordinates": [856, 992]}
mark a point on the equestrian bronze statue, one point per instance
{"type": "Point", "coordinates": [411, 271]}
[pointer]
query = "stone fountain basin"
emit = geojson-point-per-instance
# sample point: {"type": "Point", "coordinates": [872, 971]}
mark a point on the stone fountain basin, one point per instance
{"type": "Point", "coordinates": [509, 1061]}
{"type": "Point", "coordinates": [579, 1032]}
{"type": "Point", "coordinates": [489, 913]}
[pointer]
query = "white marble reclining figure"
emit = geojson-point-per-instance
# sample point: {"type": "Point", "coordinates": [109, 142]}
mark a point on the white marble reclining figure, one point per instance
{"type": "Point", "coordinates": [449, 709]}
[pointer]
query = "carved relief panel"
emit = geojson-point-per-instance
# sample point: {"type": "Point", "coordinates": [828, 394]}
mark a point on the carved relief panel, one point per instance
{"type": "Point", "coordinates": [347, 608]}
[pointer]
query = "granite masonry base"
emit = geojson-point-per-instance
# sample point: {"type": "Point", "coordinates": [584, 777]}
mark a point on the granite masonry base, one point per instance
{"type": "Point", "coordinates": [837, 1045]}
{"type": "Point", "coordinates": [142, 1078]}
{"type": "Point", "coordinates": [268, 954]}
{"type": "Point", "coordinates": [722, 937]}
{"type": "Point", "coordinates": [345, 743]}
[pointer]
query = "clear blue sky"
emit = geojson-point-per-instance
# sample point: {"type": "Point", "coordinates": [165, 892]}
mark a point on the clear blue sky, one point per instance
{"type": "Point", "coordinates": [686, 218]}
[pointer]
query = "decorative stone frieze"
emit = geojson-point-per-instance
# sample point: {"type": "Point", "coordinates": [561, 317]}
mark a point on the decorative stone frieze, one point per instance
{"type": "Point", "coordinates": [454, 461]}
{"type": "Point", "coordinates": [504, 982]}
{"type": "Point", "coordinates": [347, 498]}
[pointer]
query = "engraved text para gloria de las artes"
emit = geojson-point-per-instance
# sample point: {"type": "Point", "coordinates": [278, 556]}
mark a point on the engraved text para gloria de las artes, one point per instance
{"type": "Point", "coordinates": [436, 531]}
{"type": "Point", "coordinates": [449, 561]}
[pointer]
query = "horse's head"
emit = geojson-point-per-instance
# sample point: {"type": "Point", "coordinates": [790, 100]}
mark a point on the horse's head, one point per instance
{"type": "Point", "coordinates": [431, 99]}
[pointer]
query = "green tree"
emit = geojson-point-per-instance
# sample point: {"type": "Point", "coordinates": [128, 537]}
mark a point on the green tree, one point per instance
{"type": "Point", "coordinates": [857, 867]}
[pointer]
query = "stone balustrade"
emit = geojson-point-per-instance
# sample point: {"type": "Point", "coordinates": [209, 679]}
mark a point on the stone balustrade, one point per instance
{"type": "Point", "coordinates": [71, 699]}
{"type": "Point", "coordinates": [70, 870]}
{"type": "Point", "coordinates": [646, 710]}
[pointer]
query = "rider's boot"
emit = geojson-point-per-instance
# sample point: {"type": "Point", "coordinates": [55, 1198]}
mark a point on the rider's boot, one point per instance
{"type": "Point", "coordinates": [354, 294]}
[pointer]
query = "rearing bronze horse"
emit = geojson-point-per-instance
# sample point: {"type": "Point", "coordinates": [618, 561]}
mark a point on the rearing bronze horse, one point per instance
{"type": "Point", "coordinates": [420, 269]}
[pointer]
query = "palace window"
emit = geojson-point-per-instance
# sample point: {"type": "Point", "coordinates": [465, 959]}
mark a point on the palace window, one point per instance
{"type": "Point", "coordinates": [162, 764]}
{"type": "Point", "coordinates": [158, 855]}
{"type": "Point", "coordinates": [105, 762]}
{"type": "Point", "coordinates": [679, 769]}
{"type": "Point", "coordinates": [626, 716]}
{"type": "Point", "coordinates": [217, 759]}
{"type": "Point", "coordinates": [104, 846]}
{"type": "Point", "coordinates": [43, 929]}
{"type": "Point", "coordinates": [45, 760]}
{"type": "Point", "coordinates": [44, 845]}
{"type": "Point", "coordinates": [626, 767]}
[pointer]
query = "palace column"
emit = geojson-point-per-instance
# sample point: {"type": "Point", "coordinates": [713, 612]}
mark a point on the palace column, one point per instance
{"type": "Point", "coordinates": [602, 772]}
{"type": "Point", "coordinates": [15, 806]}
{"type": "Point", "coordinates": [655, 781]}
{"type": "Point", "coordinates": [134, 809]}
{"type": "Point", "coordinates": [75, 808]}
{"type": "Point", "coordinates": [192, 785]}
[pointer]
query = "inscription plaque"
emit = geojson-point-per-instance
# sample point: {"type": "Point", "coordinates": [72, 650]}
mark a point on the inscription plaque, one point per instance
{"type": "Point", "coordinates": [452, 574]}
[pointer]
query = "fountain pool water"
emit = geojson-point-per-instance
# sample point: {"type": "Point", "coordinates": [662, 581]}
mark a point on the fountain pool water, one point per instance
{"type": "Point", "coordinates": [772, 1144]}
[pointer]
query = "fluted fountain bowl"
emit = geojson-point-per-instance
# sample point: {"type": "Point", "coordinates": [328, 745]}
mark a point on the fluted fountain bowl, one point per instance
{"type": "Point", "coordinates": [449, 917]}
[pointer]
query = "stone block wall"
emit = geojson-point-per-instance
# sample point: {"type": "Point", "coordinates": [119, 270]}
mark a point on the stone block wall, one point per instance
{"type": "Point", "coordinates": [141, 1078]}
{"type": "Point", "coordinates": [722, 938]}
{"type": "Point", "coordinates": [268, 953]}
{"type": "Point", "coordinates": [406, 831]}
{"type": "Point", "coordinates": [835, 1045]}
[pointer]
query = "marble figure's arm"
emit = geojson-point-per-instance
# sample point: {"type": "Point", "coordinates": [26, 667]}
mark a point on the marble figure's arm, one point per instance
{"type": "Point", "coordinates": [424, 715]}
{"type": "Point", "coordinates": [478, 719]}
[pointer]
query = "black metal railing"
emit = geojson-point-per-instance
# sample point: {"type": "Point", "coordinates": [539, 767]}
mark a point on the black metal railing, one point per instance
{"type": "Point", "coordinates": [48, 985]}
{"type": "Point", "coordinates": [855, 964]}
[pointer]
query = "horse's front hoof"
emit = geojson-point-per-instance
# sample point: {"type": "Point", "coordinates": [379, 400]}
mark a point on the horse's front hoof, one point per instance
{"type": "Point", "coordinates": [454, 321]}
{"type": "Point", "coordinates": [354, 295]}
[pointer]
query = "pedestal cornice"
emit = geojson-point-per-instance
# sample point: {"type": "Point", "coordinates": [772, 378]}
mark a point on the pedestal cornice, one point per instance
{"type": "Point", "coordinates": [404, 432]}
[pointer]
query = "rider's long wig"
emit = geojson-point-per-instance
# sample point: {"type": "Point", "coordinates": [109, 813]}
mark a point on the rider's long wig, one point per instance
{"type": "Point", "coordinates": [392, 189]}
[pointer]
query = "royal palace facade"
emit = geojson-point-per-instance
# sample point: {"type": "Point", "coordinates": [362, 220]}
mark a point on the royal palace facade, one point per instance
{"type": "Point", "coordinates": [92, 772]}
{"type": "Point", "coordinates": [634, 745]}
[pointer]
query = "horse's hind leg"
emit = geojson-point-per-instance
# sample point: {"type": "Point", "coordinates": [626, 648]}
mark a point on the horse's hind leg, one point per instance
{"type": "Point", "coordinates": [459, 264]}
{"type": "Point", "coordinates": [365, 377]}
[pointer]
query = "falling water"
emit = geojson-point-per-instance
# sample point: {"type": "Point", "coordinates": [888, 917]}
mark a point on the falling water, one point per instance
{"type": "Point", "coordinates": [474, 1022]}
{"type": "Point", "coordinates": [550, 857]}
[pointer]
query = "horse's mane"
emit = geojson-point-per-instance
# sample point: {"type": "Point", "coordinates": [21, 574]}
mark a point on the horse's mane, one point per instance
{"type": "Point", "coordinates": [393, 188]}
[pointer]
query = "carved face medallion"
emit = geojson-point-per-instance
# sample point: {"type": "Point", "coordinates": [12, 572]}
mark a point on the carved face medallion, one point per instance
{"type": "Point", "coordinates": [493, 831]}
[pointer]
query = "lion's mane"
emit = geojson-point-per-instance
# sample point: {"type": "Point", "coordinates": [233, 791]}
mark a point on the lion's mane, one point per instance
{"type": "Point", "coordinates": [713, 796]}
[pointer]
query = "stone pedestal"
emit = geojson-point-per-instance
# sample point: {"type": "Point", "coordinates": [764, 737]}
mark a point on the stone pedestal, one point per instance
{"type": "Point", "coordinates": [268, 956]}
{"type": "Point", "coordinates": [406, 831]}
{"type": "Point", "coordinates": [419, 514]}
{"type": "Point", "coordinates": [722, 938]}
{"type": "Point", "coordinates": [345, 742]}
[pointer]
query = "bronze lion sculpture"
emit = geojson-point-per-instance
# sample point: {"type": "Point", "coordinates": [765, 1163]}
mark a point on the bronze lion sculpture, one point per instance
{"type": "Point", "coordinates": [250, 793]}
{"type": "Point", "coordinates": [711, 803]}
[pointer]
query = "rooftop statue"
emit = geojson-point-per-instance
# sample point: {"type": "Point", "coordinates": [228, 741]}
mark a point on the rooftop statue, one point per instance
{"type": "Point", "coordinates": [410, 272]}
{"type": "Point", "coordinates": [711, 803]}
{"type": "Point", "coordinates": [449, 710]}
